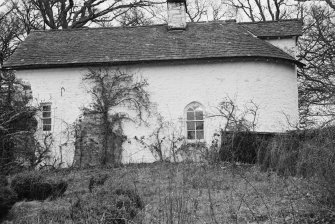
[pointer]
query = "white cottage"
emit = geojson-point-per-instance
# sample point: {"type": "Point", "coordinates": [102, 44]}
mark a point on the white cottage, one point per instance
{"type": "Point", "coordinates": [189, 66]}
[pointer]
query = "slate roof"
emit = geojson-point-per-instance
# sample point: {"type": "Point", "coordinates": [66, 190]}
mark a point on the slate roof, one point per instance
{"type": "Point", "coordinates": [119, 45]}
{"type": "Point", "coordinates": [273, 29]}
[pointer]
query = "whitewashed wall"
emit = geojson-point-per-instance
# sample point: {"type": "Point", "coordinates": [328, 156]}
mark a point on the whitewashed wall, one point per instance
{"type": "Point", "coordinates": [289, 45]}
{"type": "Point", "coordinates": [271, 85]}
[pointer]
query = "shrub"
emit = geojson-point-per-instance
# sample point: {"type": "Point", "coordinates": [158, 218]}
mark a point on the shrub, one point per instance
{"type": "Point", "coordinates": [7, 200]}
{"type": "Point", "coordinates": [97, 181]}
{"type": "Point", "coordinates": [309, 153]}
{"type": "Point", "coordinates": [58, 189]}
{"type": "Point", "coordinates": [3, 181]}
{"type": "Point", "coordinates": [23, 184]}
{"type": "Point", "coordinates": [34, 186]}
{"type": "Point", "coordinates": [281, 154]}
{"type": "Point", "coordinates": [242, 146]}
{"type": "Point", "coordinates": [132, 195]}
{"type": "Point", "coordinates": [105, 206]}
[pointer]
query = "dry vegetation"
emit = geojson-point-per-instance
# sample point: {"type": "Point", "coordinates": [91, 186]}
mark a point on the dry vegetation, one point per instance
{"type": "Point", "coordinates": [181, 193]}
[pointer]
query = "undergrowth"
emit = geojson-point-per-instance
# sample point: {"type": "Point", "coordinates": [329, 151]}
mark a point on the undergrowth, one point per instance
{"type": "Point", "coordinates": [178, 193]}
{"type": "Point", "coordinates": [293, 181]}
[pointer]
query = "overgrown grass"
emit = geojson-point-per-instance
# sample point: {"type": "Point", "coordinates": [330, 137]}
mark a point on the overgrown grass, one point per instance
{"type": "Point", "coordinates": [181, 193]}
{"type": "Point", "coordinates": [309, 154]}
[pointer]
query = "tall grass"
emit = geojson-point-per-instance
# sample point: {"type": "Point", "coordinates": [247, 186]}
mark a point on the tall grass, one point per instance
{"type": "Point", "coordinates": [171, 194]}
{"type": "Point", "coordinates": [292, 182]}
{"type": "Point", "coordinates": [309, 154]}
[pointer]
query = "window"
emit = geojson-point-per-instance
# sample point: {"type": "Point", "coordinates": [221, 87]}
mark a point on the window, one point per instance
{"type": "Point", "coordinates": [195, 122]}
{"type": "Point", "coordinates": [46, 116]}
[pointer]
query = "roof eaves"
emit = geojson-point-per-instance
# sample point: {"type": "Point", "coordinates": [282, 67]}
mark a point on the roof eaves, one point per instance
{"type": "Point", "coordinates": [279, 36]}
{"type": "Point", "coordinates": [121, 63]}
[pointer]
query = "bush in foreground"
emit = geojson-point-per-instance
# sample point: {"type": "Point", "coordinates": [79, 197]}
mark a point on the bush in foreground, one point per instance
{"type": "Point", "coordinates": [106, 206]}
{"type": "Point", "coordinates": [34, 186]}
{"type": "Point", "coordinates": [7, 200]}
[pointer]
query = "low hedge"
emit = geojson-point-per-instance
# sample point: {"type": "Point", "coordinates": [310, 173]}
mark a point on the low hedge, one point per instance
{"type": "Point", "coordinates": [34, 186]}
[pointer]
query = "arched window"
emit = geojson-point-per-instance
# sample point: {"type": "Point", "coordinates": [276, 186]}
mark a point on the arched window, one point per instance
{"type": "Point", "coordinates": [195, 122]}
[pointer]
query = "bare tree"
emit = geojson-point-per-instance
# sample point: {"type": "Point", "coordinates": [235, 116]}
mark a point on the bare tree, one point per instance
{"type": "Point", "coordinates": [111, 90]}
{"type": "Point", "coordinates": [236, 118]}
{"type": "Point", "coordinates": [317, 50]}
{"type": "Point", "coordinates": [266, 10]}
{"type": "Point", "coordinates": [207, 10]}
{"type": "Point", "coordinates": [155, 142]}
{"type": "Point", "coordinates": [331, 3]}
{"type": "Point", "coordinates": [135, 17]}
{"type": "Point", "coordinates": [197, 10]}
{"type": "Point", "coordinates": [68, 14]}
{"type": "Point", "coordinates": [28, 16]}
{"type": "Point", "coordinates": [239, 124]}
{"type": "Point", "coordinates": [10, 30]}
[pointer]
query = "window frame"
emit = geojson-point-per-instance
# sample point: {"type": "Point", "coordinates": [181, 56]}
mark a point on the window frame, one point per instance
{"type": "Point", "coordinates": [194, 106]}
{"type": "Point", "coordinates": [44, 118]}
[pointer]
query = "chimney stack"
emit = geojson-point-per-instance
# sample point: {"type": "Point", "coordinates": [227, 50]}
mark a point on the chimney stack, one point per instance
{"type": "Point", "coordinates": [176, 14]}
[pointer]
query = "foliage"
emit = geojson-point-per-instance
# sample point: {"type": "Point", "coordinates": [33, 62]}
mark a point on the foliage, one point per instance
{"type": "Point", "coordinates": [238, 142]}
{"type": "Point", "coordinates": [34, 186]}
{"type": "Point", "coordinates": [281, 154]}
{"type": "Point", "coordinates": [245, 147]}
{"type": "Point", "coordinates": [118, 207]}
{"type": "Point", "coordinates": [112, 90]}
{"type": "Point", "coordinates": [309, 154]}
{"type": "Point", "coordinates": [96, 181]}
{"type": "Point", "coordinates": [3, 181]}
{"type": "Point", "coordinates": [155, 142]}
{"type": "Point", "coordinates": [237, 118]}
{"type": "Point", "coordinates": [165, 140]}
{"type": "Point", "coordinates": [17, 123]}
{"type": "Point", "coordinates": [180, 192]}
{"type": "Point", "coordinates": [7, 200]}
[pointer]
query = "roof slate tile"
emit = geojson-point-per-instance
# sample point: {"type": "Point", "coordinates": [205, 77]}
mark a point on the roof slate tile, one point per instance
{"type": "Point", "coordinates": [149, 43]}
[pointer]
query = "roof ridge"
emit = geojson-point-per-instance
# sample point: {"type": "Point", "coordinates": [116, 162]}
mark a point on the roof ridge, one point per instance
{"type": "Point", "coordinates": [161, 24]}
{"type": "Point", "coordinates": [96, 28]}
{"type": "Point", "coordinates": [131, 27]}
{"type": "Point", "coordinates": [154, 43]}
{"type": "Point", "coordinates": [272, 21]}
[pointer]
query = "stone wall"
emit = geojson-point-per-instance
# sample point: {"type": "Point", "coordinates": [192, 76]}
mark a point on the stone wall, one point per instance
{"type": "Point", "coordinates": [89, 149]}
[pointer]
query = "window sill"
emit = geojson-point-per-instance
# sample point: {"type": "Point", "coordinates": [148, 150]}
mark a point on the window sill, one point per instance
{"type": "Point", "coordinates": [195, 141]}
